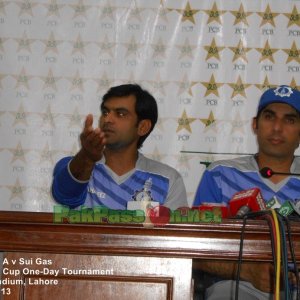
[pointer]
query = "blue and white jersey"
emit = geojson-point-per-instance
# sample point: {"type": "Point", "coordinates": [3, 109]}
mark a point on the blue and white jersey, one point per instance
{"type": "Point", "coordinates": [158, 181]}
{"type": "Point", "coordinates": [222, 179]}
{"type": "Point", "coordinates": [104, 190]}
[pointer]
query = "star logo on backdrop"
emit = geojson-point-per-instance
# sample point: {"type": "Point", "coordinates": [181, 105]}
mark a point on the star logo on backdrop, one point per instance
{"type": "Point", "coordinates": [240, 52]}
{"type": "Point", "coordinates": [48, 117]}
{"type": "Point", "coordinates": [80, 9]}
{"type": "Point", "coordinates": [24, 43]}
{"type": "Point", "coordinates": [20, 116]}
{"type": "Point", "coordinates": [53, 8]}
{"type": "Point", "coordinates": [213, 50]}
{"type": "Point", "coordinates": [185, 85]}
{"type": "Point", "coordinates": [183, 160]}
{"type": "Point", "coordinates": [135, 13]}
{"type": "Point", "coordinates": [26, 7]}
{"type": "Point", "coordinates": [18, 153]}
{"type": "Point", "coordinates": [212, 86]}
{"type": "Point", "coordinates": [188, 13]}
{"type": "Point", "coordinates": [214, 15]}
{"type": "Point", "coordinates": [162, 11]}
{"type": "Point", "coordinates": [294, 17]}
{"type": "Point", "coordinates": [159, 85]}
{"type": "Point", "coordinates": [104, 83]}
{"type": "Point", "coordinates": [50, 80]}
{"type": "Point", "coordinates": [238, 124]}
{"type": "Point", "coordinates": [239, 88]}
{"type": "Point", "coordinates": [77, 82]}
{"type": "Point", "coordinates": [22, 79]}
{"type": "Point", "coordinates": [265, 85]}
{"type": "Point", "coordinates": [160, 123]}
{"type": "Point", "coordinates": [107, 47]}
{"type": "Point", "coordinates": [108, 11]}
{"type": "Point", "coordinates": [156, 155]}
{"type": "Point", "coordinates": [16, 190]}
{"type": "Point", "coordinates": [51, 44]}
{"type": "Point", "coordinates": [267, 16]}
{"type": "Point", "coordinates": [2, 41]}
{"type": "Point", "coordinates": [75, 119]}
{"type": "Point", "coordinates": [184, 122]}
{"type": "Point", "coordinates": [79, 46]}
{"type": "Point", "coordinates": [294, 85]}
{"type": "Point", "coordinates": [159, 49]}
{"type": "Point", "coordinates": [43, 192]}
{"type": "Point", "coordinates": [241, 16]}
{"type": "Point", "coordinates": [267, 52]}
{"type": "Point", "coordinates": [293, 53]}
{"type": "Point", "coordinates": [2, 6]}
{"type": "Point", "coordinates": [210, 122]}
{"type": "Point", "coordinates": [132, 47]}
{"type": "Point", "coordinates": [46, 155]}
{"type": "Point", "coordinates": [186, 50]}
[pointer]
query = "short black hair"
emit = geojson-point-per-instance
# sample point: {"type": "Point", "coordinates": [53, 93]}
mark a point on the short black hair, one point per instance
{"type": "Point", "coordinates": [145, 104]}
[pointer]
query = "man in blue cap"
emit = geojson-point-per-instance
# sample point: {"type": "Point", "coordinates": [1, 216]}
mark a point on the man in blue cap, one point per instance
{"type": "Point", "coordinates": [277, 128]}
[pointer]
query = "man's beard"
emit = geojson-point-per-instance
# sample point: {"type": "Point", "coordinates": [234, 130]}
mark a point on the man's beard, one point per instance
{"type": "Point", "coordinates": [117, 145]}
{"type": "Point", "coordinates": [114, 146]}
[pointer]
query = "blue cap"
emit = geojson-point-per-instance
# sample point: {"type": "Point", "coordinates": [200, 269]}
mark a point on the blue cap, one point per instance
{"type": "Point", "coordinates": [281, 94]}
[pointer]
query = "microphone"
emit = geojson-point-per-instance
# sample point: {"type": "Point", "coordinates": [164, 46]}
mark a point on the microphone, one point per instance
{"type": "Point", "coordinates": [245, 201]}
{"type": "Point", "coordinates": [268, 172]}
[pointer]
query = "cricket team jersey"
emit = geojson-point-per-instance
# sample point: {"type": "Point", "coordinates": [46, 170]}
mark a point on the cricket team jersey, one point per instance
{"type": "Point", "coordinates": [222, 179]}
{"type": "Point", "coordinates": [154, 180]}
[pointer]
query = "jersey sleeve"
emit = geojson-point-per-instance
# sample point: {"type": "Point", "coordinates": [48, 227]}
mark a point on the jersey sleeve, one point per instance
{"type": "Point", "coordinates": [177, 194]}
{"type": "Point", "coordinates": [65, 188]}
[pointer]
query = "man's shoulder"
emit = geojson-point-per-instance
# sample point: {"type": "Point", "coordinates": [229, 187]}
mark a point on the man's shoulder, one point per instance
{"type": "Point", "coordinates": [155, 166]}
{"type": "Point", "coordinates": [242, 163]}
{"type": "Point", "coordinates": [296, 164]}
{"type": "Point", "coordinates": [62, 162]}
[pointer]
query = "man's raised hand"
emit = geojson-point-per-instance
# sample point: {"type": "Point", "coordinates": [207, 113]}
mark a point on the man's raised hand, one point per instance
{"type": "Point", "coordinates": [92, 140]}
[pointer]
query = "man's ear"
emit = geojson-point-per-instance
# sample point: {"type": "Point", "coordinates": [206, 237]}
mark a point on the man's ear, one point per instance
{"type": "Point", "coordinates": [254, 125]}
{"type": "Point", "coordinates": [144, 127]}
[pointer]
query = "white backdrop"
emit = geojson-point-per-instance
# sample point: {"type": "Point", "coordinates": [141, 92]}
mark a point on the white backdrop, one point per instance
{"type": "Point", "coordinates": [206, 62]}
